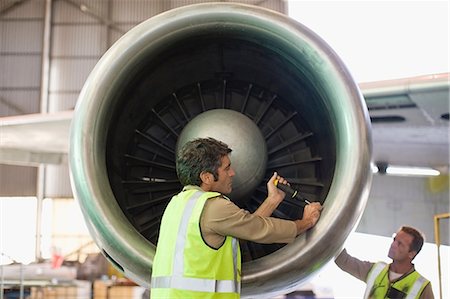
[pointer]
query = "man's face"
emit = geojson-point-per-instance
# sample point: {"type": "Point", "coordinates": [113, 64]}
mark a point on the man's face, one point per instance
{"type": "Point", "coordinates": [225, 177]}
{"type": "Point", "coordinates": [400, 247]}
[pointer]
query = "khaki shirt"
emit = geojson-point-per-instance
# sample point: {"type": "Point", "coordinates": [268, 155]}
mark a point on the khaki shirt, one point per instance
{"type": "Point", "coordinates": [221, 217]}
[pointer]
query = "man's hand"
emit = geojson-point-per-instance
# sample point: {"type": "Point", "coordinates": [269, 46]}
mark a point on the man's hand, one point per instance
{"type": "Point", "coordinates": [274, 198]}
{"type": "Point", "coordinates": [311, 215]}
{"type": "Point", "coordinates": [312, 212]}
{"type": "Point", "coordinates": [275, 195]}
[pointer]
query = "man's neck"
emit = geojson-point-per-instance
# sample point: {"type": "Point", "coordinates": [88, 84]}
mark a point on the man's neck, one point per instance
{"type": "Point", "coordinates": [401, 267]}
{"type": "Point", "coordinates": [205, 187]}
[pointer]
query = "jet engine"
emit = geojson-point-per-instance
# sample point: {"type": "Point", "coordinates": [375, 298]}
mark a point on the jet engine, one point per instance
{"type": "Point", "coordinates": [263, 83]}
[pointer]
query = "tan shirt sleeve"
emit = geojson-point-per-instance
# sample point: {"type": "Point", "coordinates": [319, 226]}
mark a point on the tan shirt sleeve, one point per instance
{"type": "Point", "coordinates": [427, 292]}
{"type": "Point", "coordinates": [221, 217]}
{"type": "Point", "coordinates": [353, 266]}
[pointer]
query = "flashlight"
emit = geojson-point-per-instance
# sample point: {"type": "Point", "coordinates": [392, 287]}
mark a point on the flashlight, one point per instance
{"type": "Point", "coordinates": [291, 192]}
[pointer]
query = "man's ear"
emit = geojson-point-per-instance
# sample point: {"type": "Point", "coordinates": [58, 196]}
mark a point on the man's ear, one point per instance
{"type": "Point", "coordinates": [206, 177]}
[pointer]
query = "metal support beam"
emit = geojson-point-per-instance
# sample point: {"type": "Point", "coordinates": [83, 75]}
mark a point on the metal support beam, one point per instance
{"type": "Point", "coordinates": [45, 61]}
{"type": "Point", "coordinates": [11, 5]}
{"type": "Point", "coordinates": [437, 238]}
{"type": "Point", "coordinates": [45, 79]}
{"type": "Point", "coordinates": [90, 12]}
{"type": "Point", "coordinates": [12, 106]}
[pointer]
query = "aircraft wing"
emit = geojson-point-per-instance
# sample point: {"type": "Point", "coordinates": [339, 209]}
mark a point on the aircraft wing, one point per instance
{"type": "Point", "coordinates": [409, 118]}
{"type": "Point", "coordinates": [32, 139]}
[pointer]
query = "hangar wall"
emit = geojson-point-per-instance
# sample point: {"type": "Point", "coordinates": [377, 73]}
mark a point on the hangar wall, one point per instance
{"type": "Point", "coordinates": [47, 51]}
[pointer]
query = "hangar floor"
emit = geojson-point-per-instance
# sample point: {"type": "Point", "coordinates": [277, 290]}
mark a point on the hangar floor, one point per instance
{"type": "Point", "coordinates": [96, 279]}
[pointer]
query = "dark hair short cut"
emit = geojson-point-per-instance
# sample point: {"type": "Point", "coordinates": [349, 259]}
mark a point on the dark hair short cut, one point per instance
{"type": "Point", "coordinates": [196, 156]}
{"type": "Point", "coordinates": [418, 238]}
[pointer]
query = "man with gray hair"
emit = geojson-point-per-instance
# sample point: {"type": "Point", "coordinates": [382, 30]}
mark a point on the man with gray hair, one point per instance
{"type": "Point", "coordinates": [198, 254]}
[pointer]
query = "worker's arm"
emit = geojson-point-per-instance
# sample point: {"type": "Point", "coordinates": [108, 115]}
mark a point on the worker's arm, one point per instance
{"type": "Point", "coordinates": [275, 196]}
{"type": "Point", "coordinates": [427, 292]}
{"type": "Point", "coordinates": [353, 266]}
{"type": "Point", "coordinates": [221, 217]}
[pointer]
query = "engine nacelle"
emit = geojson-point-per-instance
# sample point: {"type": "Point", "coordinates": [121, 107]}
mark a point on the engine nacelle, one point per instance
{"type": "Point", "coordinates": [259, 81]}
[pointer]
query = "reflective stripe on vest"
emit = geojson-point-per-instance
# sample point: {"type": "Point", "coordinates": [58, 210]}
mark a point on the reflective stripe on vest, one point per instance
{"type": "Point", "coordinates": [178, 281]}
{"type": "Point", "coordinates": [413, 282]}
{"type": "Point", "coordinates": [373, 274]}
{"type": "Point", "coordinates": [196, 284]}
{"type": "Point", "coordinates": [237, 284]}
{"type": "Point", "coordinates": [417, 286]}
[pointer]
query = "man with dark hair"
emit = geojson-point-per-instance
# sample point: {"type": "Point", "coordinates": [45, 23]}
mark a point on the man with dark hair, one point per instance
{"type": "Point", "coordinates": [197, 254]}
{"type": "Point", "coordinates": [417, 238]}
{"type": "Point", "coordinates": [396, 280]}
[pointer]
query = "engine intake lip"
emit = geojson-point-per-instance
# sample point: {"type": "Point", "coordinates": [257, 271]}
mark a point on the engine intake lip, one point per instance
{"type": "Point", "coordinates": [305, 55]}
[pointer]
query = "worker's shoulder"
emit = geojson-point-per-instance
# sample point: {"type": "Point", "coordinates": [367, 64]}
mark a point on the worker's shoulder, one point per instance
{"type": "Point", "coordinates": [218, 199]}
{"type": "Point", "coordinates": [219, 207]}
{"type": "Point", "coordinates": [219, 202]}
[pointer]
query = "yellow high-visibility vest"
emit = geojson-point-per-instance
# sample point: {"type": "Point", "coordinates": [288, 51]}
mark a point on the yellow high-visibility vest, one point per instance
{"type": "Point", "coordinates": [378, 284]}
{"type": "Point", "coordinates": [184, 266]}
